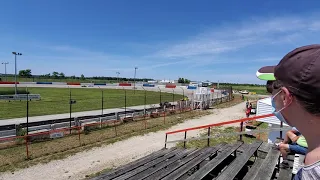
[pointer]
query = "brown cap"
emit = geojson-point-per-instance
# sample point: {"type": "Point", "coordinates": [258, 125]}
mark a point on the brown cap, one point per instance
{"type": "Point", "coordinates": [299, 71]}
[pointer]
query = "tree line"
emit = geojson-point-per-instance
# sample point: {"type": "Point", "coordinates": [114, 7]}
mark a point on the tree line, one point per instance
{"type": "Point", "coordinates": [27, 73]}
{"type": "Point", "coordinates": [183, 81]}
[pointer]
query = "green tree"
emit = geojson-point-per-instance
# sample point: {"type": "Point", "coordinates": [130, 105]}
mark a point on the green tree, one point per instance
{"type": "Point", "coordinates": [55, 75]}
{"type": "Point", "coordinates": [82, 77]}
{"type": "Point", "coordinates": [61, 75]}
{"type": "Point", "coordinates": [25, 73]}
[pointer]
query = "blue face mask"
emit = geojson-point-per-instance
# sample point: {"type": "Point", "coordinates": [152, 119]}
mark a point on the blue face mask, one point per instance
{"type": "Point", "coordinates": [275, 112]}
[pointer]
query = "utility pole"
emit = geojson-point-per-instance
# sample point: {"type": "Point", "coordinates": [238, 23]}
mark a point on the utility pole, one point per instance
{"type": "Point", "coordinates": [15, 70]}
{"type": "Point", "coordinates": [134, 86]}
{"type": "Point", "coordinates": [5, 70]}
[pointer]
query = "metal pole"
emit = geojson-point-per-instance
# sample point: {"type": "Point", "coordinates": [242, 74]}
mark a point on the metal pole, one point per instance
{"type": "Point", "coordinates": [15, 70]}
{"type": "Point", "coordinates": [160, 94]}
{"type": "Point", "coordinates": [101, 100]}
{"type": "Point", "coordinates": [5, 70]}
{"type": "Point", "coordinates": [70, 106]}
{"type": "Point", "coordinates": [208, 136]}
{"type": "Point", "coordinates": [15, 74]}
{"type": "Point", "coordinates": [185, 137]}
{"type": "Point", "coordinates": [172, 95]}
{"type": "Point", "coordinates": [27, 111]}
{"type": "Point", "coordinates": [165, 142]}
{"type": "Point", "coordinates": [134, 79]}
{"type": "Point", "coordinates": [145, 102]}
{"type": "Point", "coordinates": [118, 76]}
{"type": "Point", "coordinates": [125, 102]}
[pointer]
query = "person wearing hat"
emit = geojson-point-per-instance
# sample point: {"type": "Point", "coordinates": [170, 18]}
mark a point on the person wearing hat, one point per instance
{"type": "Point", "coordinates": [296, 99]}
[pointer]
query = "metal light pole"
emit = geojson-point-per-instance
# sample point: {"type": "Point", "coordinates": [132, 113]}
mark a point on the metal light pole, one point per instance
{"type": "Point", "coordinates": [172, 95]}
{"type": "Point", "coordinates": [134, 79]}
{"type": "Point", "coordinates": [160, 94]}
{"type": "Point", "coordinates": [101, 100]}
{"type": "Point", "coordinates": [15, 70]}
{"type": "Point", "coordinates": [70, 108]}
{"type": "Point", "coordinates": [125, 101]}
{"type": "Point", "coordinates": [118, 76]}
{"type": "Point", "coordinates": [27, 110]}
{"type": "Point", "coordinates": [5, 69]}
{"type": "Point", "coordinates": [145, 101]}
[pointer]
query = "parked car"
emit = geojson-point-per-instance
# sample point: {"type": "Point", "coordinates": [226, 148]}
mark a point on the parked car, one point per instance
{"type": "Point", "coordinates": [244, 92]}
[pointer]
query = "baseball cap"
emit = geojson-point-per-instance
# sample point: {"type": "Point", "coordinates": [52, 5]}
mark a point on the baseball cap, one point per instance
{"type": "Point", "coordinates": [299, 71]}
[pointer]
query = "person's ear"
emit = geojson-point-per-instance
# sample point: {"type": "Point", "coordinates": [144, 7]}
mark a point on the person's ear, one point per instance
{"type": "Point", "coordinates": [286, 96]}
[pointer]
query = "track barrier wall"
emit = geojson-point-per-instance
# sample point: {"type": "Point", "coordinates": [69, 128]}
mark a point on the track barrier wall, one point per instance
{"type": "Point", "coordinates": [148, 85]}
{"type": "Point", "coordinates": [59, 83]}
{"type": "Point", "coordinates": [44, 82]}
{"type": "Point", "coordinates": [28, 83]}
{"type": "Point", "coordinates": [99, 84]}
{"type": "Point", "coordinates": [109, 84]}
{"type": "Point", "coordinates": [124, 84]}
{"type": "Point", "coordinates": [191, 87]}
{"type": "Point", "coordinates": [171, 85]}
{"type": "Point", "coordinates": [1, 82]}
{"type": "Point", "coordinates": [74, 83]}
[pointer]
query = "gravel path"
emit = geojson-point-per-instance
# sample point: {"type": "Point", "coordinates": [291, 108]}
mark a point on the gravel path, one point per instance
{"type": "Point", "coordinates": [119, 153]}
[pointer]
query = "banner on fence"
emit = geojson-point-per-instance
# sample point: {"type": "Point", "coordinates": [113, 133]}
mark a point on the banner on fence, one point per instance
{"type": "Point", "coordinates": [124, 84]}
{"type": "Point", "coordinates": [44, 82]}
{"type": "Point", "coordinates": [73, 83]}
{"type": "Point", "coordinates": [8, 82]}
{"type": "Point", "coordinates": [20, 97]}
{"type": "Point", "coordinates": [171, 85]}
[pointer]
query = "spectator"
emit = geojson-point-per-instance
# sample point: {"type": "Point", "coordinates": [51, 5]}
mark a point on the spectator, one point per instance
{"type": "Point", "coordinates": [294, 143]}
{"type": "Point", "coordinates": [291, 136]}
{"type": "Point", "coordinates": [296, 99]}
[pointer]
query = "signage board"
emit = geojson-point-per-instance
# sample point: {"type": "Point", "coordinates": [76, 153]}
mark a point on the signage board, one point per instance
{"type": "Point", "coordinates": [20, 97]}
{"type": "Point", "coordinates": [56, 135]}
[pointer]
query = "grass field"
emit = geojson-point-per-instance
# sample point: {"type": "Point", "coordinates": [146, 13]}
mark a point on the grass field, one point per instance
{"type": "Point", "coordinates": [56, 100]}
{"type": "Point", "coordinates": [226, 139]}
{"type": "Point", "coordinates": [43, 152]}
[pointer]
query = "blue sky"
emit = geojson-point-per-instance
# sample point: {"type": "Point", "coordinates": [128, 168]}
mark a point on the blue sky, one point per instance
{"type": "Point", "coordinates": [199, 40]}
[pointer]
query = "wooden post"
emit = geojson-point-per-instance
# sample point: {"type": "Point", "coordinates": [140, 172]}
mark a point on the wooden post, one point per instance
{"type": "Point", "coordinates": [27, 150]}
{"type": "Point", "coordinates": [79, 133]}
{"type": "Point", "coordinates": [115, 128]}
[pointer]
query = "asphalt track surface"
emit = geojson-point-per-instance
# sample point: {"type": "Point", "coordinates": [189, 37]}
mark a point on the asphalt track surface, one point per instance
{"type": "Point", "coordinates": [177, 90]}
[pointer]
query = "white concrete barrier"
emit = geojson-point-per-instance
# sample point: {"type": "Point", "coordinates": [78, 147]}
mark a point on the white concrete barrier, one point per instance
{"type": "Point", "coordinates": [116, 84]}
{"type": "Point", "coordinates": [87, 84]}
{"type": "Point", "coordinates": [59, 83]}
{"type": "Point", "coordinates": [27, 82]}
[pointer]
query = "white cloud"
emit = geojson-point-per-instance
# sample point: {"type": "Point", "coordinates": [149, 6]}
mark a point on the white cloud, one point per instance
{"type": "Point", "coordinates": [240, 35]}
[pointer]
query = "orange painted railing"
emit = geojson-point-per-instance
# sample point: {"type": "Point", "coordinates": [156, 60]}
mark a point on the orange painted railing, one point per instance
{"type": "Point", "coordinates": [215, 125]}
